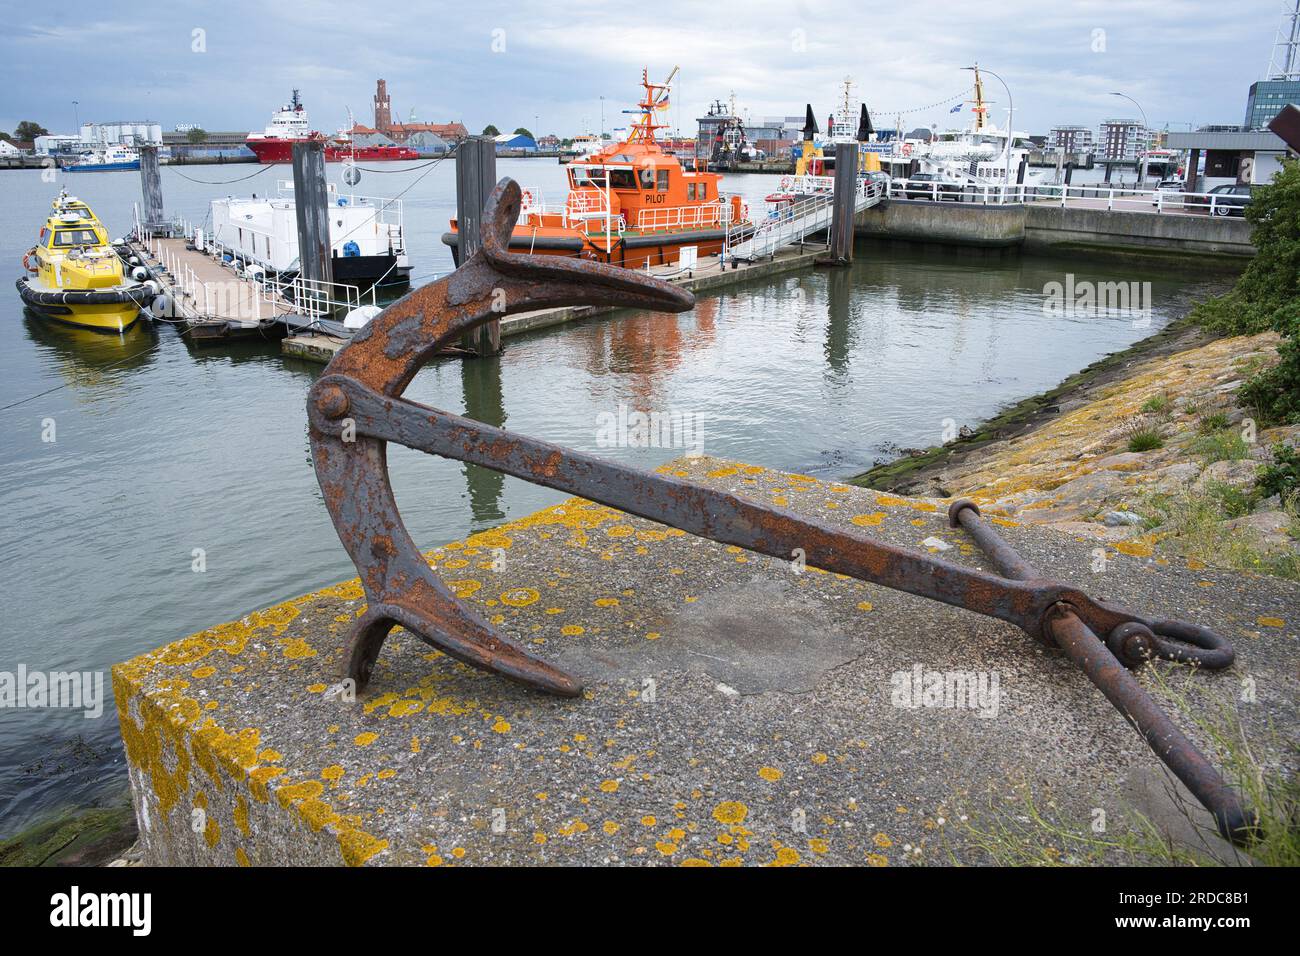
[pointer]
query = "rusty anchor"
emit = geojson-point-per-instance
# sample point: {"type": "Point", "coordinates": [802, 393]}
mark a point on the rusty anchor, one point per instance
{"type": "Point", "coordinates": [356, 407]}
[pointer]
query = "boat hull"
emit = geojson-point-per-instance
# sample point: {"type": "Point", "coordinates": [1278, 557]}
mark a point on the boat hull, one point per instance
{"type": "Point", "coordinates": [106, 311]}
{"type": "Point", "coordinates": [366, 271]}
{"type": "Point", "coordinates": [269, 151]}
{"type": "Point", "coordinates": [101, 167]}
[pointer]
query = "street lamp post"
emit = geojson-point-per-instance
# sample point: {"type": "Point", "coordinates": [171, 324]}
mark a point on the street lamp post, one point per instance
{"type": "Point", "coordinates": [1011, 113]}
{"type": "Point", "coordinates": [76, 115]}
{"type": "Point", "coordinates": [1145, 126]}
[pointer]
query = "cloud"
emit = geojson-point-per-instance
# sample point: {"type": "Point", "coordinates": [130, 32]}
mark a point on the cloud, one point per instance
{"type": "Point", "coordinates": [1186, 61]}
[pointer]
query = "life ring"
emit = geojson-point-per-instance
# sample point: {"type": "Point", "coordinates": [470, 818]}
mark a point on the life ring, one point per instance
{"type": "Point", "coordinates": [526, 199]}
{"type": "Point", "coordinates": [27, 261]}
{"type": "Point", "coordinates": [907, 149]}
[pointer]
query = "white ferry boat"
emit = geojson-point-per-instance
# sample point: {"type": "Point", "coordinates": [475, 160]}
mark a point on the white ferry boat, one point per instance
{"type": "Point", "coordinates": [367, 241]}
{"type": "Point", "coordinates": [104, 159]}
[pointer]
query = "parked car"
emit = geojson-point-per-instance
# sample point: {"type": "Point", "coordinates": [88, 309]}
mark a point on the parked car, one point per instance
{"type": "Point", "coordinates": [1227, 200]}
{"type": "Point", "coordinates": [930, 186]}
{"type": "Point", "coordinates": [879, 178]}
{"type": "Point", "coordinates": [1170, 187]}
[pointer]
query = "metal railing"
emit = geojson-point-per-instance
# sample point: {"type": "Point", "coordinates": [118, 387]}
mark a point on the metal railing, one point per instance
{"type": "Point", "coordinates": [685, 217]}
{"type": "Point", "coordinates": [790, 222]}
{"type": "Point", "coordinates": [1086, 195]}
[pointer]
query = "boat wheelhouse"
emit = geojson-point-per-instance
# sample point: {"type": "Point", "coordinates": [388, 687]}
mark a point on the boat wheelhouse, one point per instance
{"type": "Point", "coordinates": [631, 204]}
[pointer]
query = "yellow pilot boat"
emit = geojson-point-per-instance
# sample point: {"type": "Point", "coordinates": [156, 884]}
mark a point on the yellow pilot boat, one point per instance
{"type": "Point", "coordinates": [76, 276]}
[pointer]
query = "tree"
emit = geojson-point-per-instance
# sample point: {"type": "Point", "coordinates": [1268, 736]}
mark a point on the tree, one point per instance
{"type": "Point", "coordinates": [491, 130]}
{"type": "Point", "coordinates": [523, 132]}
{"type": "Point", "coordinates": [28, 131]}
{"type": "Point", "coordinates": [1267, 295]}
{"type": "Point", "coordinates": [197, 135]}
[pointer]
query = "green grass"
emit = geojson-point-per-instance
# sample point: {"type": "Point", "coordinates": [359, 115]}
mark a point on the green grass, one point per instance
{"type": "Point", "coordinates": [1212, 422]}
{"type": "Point", "coordinates": [1156, 404]}
{"type": "Point", "coordinates": [1223, 445]}
{"type": "Point", "coordinates": [1191, 523]}
{"type": "Point", "coordinates": [1027, 835]}
{"type": "Point", "coordinates": [1143, 437]}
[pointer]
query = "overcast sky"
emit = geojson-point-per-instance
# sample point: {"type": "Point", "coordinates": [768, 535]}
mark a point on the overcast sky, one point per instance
{"type": "Point", "coordinates": [544, 66]}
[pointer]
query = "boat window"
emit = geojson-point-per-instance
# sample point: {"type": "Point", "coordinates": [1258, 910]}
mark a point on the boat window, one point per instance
{"type": "Point", "coordinates": [647, 178]}
{"type": "Point", "coordinates": [702, 191]}
{"type": "Point", "coordinates": [662, 178]}
{"type": "Point", "coordinates": [621, 179]}
{"type": "Point", "coordinates": [75, 237]}
{"type": "Point", "coordinates": [690, 191]}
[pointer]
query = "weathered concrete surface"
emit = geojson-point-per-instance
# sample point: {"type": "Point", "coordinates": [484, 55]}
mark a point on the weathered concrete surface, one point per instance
{"type": "Point", "coordinates": [735, 713]}
{"type": "Point", "coordinates": [1048, 226]}
{"type": "Point", "coordinates": [1044, 226]}
{"type": "Point", "coordinates": [957, 223]}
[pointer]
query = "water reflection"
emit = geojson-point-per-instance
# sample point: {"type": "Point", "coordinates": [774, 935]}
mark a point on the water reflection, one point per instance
{"type": "Point", "coordinates": [839, 321]}
{"type": "Point", "coordinates": [481, 388]}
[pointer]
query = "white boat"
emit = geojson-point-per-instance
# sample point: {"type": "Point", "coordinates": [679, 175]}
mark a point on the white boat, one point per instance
{"type": "Point", "coordinates": [367, 242]}
{"type": "Point", "coordinates": [104, 159]}
{"type": "Point", "coordinates": [588, 144]}
{"type": "Point", "coordinates": [979, 155]}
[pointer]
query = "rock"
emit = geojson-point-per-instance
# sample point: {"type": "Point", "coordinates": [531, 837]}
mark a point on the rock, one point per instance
{"type": "Point", "coordinates": [1238, 474]}
{"type": "Point", "coordinates": [1089, 529]}
{"type": "Point", "coordinates": [1124, 461]}
{"type": "Point", "coordinates": [1271, 503]}
{"type": "Point", "coordinates": [1172, 478]}
{"type": "Point", "coordinates": [1116, 519]}
{"type": "Point", "coordinates": [1269, 529]}
{"type": "Point", "coordinates": [938, 544]}
{"type": "Point", "coordinates": [1087, 495]}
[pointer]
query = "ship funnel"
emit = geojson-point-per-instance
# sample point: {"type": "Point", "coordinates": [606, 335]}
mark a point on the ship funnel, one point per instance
{"type": "Point", "coordinates": [810, 125]}
{"type": "Point", "coordinates": [865, 129]}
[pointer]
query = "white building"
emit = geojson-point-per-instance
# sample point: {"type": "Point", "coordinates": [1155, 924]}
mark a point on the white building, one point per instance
{"type": "Point", "coordinates": [56, 143]}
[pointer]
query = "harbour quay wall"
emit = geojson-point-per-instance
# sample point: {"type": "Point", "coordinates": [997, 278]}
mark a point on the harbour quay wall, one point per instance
{"type": "Point", "coordinates": [1053, 228]}
{"type": "Point", "coordinates": [967, 224]}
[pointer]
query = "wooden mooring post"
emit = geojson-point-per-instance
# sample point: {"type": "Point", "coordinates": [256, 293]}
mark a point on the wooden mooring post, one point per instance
{"type": "Point", "coordinates": [476, 175]}
{"type": "Point", "coordinates": [151, 188]}
{"type": "Point", "coordinates": [844, 206]}
{"type": "Point", "coordinates": [311, 205]}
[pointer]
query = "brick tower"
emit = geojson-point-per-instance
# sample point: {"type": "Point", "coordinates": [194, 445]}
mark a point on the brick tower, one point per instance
{"type": "Point", "coordinates": [383, 108]}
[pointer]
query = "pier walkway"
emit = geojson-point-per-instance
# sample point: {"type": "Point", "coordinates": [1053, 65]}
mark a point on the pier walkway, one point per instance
{"type": "Point", "coordinates": [809, 211]}
{"type": "Point", "coordinates": [212, 301]}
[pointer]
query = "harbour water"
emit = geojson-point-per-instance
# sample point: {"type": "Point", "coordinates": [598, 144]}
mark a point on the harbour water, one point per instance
{"type": "Point", "coordinates": [162, 451]}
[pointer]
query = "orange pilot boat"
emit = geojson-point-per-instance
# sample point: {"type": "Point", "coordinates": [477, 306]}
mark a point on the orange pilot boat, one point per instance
{"type": "Point", "coordinates": [631, 204]}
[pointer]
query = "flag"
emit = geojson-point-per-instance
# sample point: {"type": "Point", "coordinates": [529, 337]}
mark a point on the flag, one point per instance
{"type": "Point", "coordinates": [955, 109]}
{"type": "Point", "coordinates": [662, 104]}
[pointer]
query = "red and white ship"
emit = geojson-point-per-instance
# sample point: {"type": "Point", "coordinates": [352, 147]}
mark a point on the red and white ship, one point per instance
{"type": "Point", "coordinates": [289, 125]}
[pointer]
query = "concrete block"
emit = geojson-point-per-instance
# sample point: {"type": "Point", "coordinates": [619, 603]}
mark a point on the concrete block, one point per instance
{"type": "Point", "coordinates": [738, 710]}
